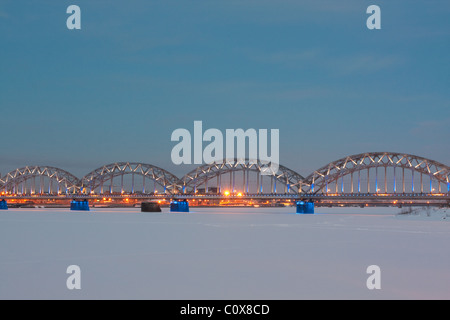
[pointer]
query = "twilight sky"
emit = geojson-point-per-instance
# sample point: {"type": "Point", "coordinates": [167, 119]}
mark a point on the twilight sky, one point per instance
{"type": "Point", "coordinates": [137, 70]}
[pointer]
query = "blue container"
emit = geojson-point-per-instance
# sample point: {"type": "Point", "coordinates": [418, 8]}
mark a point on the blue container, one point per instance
{"type": "Point", "coordinates": [305, 207]}
{"type": "Point", "coordinates": [179, 206]}
{"type": "Point", "coordinates": [78, 205]}
{"type": "Point", "coordinates": [3, 205]}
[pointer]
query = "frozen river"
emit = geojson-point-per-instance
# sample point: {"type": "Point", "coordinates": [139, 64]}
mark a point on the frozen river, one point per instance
{"type": "Point", "coordinates": [223, 253]}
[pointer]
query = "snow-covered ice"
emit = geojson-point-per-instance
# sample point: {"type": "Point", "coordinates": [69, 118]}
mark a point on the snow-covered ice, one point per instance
{"type": "Point", "coordinates": [224, 253]}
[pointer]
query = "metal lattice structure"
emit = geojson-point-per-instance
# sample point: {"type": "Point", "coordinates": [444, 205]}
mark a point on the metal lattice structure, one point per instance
{"type": "Point", "coordinates": [23, 181]}
{"type": "Point", "coordinates": [99, 178]}
{"type": "Point", "coordinates": [375, 173]}
{"type": "Point", "coordinates": [379, 172]}
{"type": "Point", "coordinates": [200, 179]}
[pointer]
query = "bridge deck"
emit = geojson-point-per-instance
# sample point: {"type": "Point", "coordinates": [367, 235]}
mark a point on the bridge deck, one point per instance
{"type": "Point", "coordinates": [320, 199]}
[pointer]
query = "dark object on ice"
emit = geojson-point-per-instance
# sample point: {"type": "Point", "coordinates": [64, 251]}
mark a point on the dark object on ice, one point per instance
{"type": "Point", "coordinates": [179, 206]}
{"type": "Point", "coordinates": [150, 207]}
{"type": "Point", "coordinates": [79, 205]}
{"type": "Point", "coordinates": [3, 205]}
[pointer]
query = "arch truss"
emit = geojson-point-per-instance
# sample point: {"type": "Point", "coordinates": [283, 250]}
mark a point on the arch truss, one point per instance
{"type": "Point", "coordinates": [102, 179]}
{"type": "Point", "coordinates": [380, 172]}
{"type": "Point", "coordinates": [39, 180]}
{"type": "Point", "coordinates": [245, 176]}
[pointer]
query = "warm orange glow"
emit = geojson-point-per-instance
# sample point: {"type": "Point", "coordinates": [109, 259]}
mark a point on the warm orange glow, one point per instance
{"type": "Point", "coordinates": [104, 199]}
{"type": "Point", "coordinates": [126, 200]}
{"type": "Point", "coordinates": [227, 193]}
{"type": "Point", "coordinates": [159, 201]}
{"type": "Point", "coordinates": [239, 194]}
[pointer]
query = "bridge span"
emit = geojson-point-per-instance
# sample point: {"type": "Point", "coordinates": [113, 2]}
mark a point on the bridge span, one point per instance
{"type": "Point", "coordinates": [383, 178]}
{"type": "Point", "coordinates": [330, 200]}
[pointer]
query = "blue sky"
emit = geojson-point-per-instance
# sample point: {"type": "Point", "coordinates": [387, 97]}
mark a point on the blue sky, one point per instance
{"type": "Point", "coordinates": [137, 70]}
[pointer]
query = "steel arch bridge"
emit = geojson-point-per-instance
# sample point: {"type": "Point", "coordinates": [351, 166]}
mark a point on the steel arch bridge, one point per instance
{"type": "Point", "coordinates": [376, 177]}
{"type": "Point", "coordinates": [23, 181]}
{"type": "Point", "coordinates": [224, 175]}
{"type": "Point", "coordinates": [98, 179]}
{"type": "Point", "coordinates": [379, 172]}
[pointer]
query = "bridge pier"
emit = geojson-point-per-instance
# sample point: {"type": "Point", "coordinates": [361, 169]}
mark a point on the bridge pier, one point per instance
{"type": "Point", "coordinates": [3, 205]}
{"type": "Point", "coordinates": [147, 206]}
{"type": "Point", "coordinates": [305, 207]}
{"type": "Point", "coordinates": [179, 206]}
{"type": "Point", "coordinates": [79, 205]}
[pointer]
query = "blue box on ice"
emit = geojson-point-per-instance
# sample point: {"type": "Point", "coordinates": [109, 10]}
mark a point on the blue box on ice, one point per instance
{"type": "Point", "coordinates": [305, 207]}
{"type": "Point", "coordinates": [3, 205]}
{"type": "Point", "coordinates": [77, 205]}
{"type": "Point", "coordinates": [179, 206]}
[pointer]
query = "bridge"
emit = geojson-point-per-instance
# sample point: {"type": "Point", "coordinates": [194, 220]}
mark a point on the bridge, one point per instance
{"type": "Point", "coordinates": [377, 178]}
